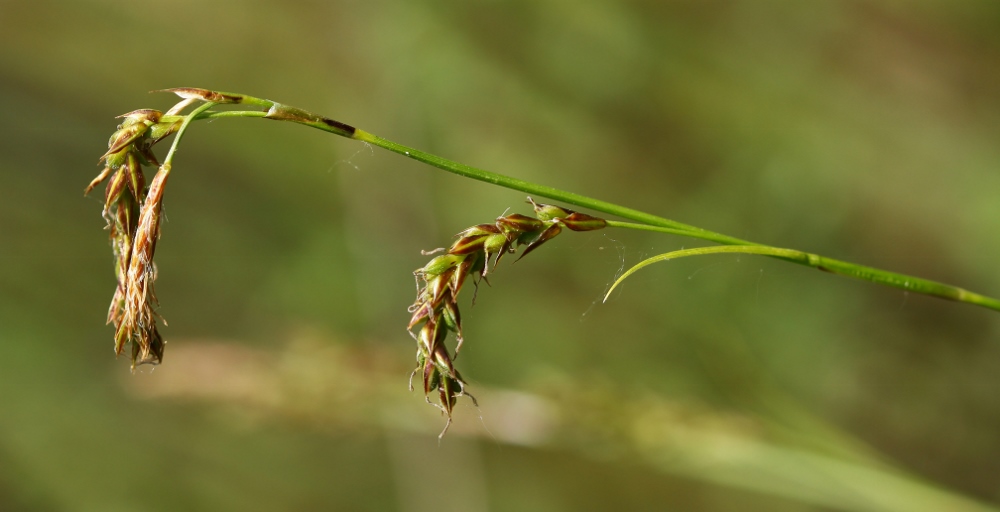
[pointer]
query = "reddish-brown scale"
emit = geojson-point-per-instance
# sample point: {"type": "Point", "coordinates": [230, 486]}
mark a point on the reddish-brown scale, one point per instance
{"type": "Point", "coordinates": [204, 94]}
{"type": "Point", "coordinates": [520, 223]}
{"type": "Point", "coordinates": [115, 188]}
{"type": "Point", "coordinates": [583, 222]}
{"type": "Point", "coordinates": [479, 229]}
{"type": "Point", "coordinates": [97, 181]}
{"type": "Point", "coordinates": [461, 272]}
{"type": "Point", "coordinates": [467, 244]}
{"type": "Point", "coordinates": [546, 235]}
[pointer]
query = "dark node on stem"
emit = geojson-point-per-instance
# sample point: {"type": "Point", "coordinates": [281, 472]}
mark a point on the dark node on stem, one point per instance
{"type": "Point", "coordinates": [346, 128]}
{"type": "Point", "coordinates": [281, 112]}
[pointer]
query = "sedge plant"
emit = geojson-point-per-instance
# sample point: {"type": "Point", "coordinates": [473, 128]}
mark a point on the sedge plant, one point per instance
{"type": "Point", "coordinates": [133, 211]}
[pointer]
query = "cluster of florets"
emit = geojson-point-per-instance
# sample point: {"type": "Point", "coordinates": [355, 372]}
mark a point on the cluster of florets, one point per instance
{"type": "Point", "coordinates": [476, 252]}
{"type": "Point", "coordinates": [132, 211]}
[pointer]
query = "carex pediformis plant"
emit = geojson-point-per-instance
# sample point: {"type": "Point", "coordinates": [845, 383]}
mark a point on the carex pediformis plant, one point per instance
{"type": "Point", "coordinates": [476, 252]}
{"type": "Point", "coordinates": [133, 211]}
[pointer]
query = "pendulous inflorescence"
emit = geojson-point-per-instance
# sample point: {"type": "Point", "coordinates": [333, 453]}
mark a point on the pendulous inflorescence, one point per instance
{"type": "Point", "coordinates": [133, 212]}
{"type": "Point", "coordinates": [476, 252]}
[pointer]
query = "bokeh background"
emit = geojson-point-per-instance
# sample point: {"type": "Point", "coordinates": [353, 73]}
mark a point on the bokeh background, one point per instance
{"type": "Point", "coordinates": [865, 131]}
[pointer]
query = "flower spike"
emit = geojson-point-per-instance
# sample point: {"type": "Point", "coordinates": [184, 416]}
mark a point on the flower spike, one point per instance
{"type": "Point", "coordinates": [435, 312]}
{"type": "Point", "coordinates": [133, 211]}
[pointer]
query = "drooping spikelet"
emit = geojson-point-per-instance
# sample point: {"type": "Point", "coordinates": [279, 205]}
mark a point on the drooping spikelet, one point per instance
{"type": "Point", "coordinates": [133, 215]}
{"type": "Point", "coordinates": [133, 211]}
{"type": "Point", "coordinates": [478, 250]}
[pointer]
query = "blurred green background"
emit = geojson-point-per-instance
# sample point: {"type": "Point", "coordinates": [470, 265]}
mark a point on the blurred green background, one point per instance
{"type": "Point", "coordinates": [865, 131]}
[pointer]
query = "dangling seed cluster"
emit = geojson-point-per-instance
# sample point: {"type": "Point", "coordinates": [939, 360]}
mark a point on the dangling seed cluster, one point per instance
{"type": "Point", "coordinates": [476, 252]}
{"type": "Point", "coordinates": [132, 211]}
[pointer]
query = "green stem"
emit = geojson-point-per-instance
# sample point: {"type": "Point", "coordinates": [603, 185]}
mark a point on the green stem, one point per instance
{"type": "Point", "coordinates": [905, 282]}
{"type": "Point", "coordinates": [544, 191]}
{"type": "Point", "coordinates": [646, 221]}
{"type": "Point", "coordinates": [657, 229]}
{"type": "Point", "coordinates": [467, 171]}
{"type": "Point", "coordinates": [180, 133]}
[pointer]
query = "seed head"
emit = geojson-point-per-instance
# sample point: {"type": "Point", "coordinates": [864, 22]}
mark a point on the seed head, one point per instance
{"type": "Point", "coordinates": [133, 211]}
{"type": "Point", "coordinates": [475, 252]}
{"type": "Point", "coordinates": [138, 323]}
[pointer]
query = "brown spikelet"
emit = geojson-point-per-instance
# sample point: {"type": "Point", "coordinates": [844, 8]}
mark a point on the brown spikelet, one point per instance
{"type": "Point", "coordinates": [435, 312]}
{"type": "Point", "coordinates": [133, 211]}
{"type": "Point", "coordinates": [97, 181]}
{"type": "Point", "coordinates": [138, 317]}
